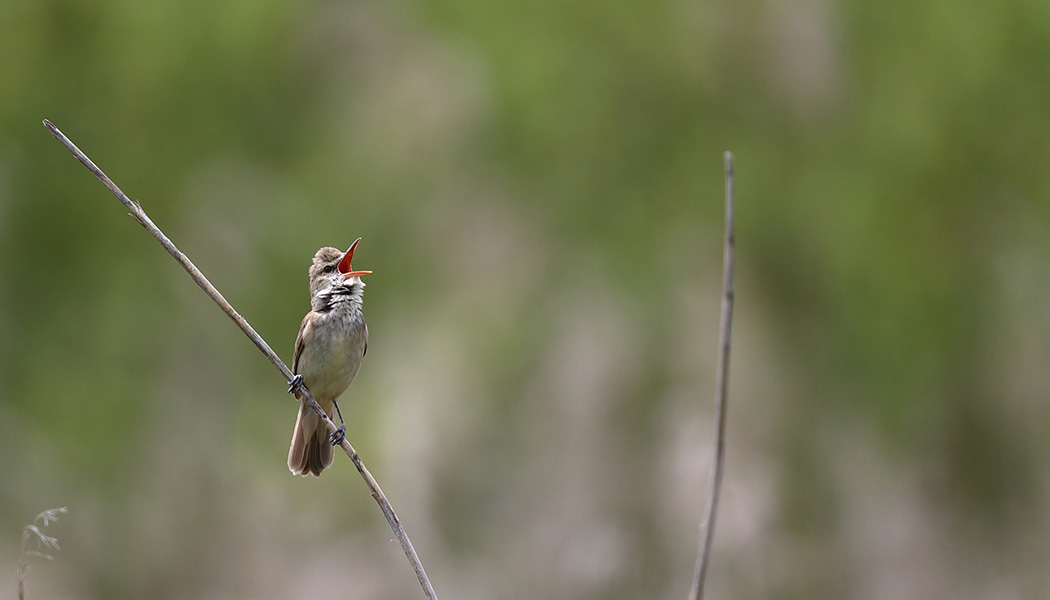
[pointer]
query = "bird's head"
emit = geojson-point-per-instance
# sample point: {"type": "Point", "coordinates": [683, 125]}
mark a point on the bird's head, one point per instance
{"type": "Point", "coordinates": [331, 270]}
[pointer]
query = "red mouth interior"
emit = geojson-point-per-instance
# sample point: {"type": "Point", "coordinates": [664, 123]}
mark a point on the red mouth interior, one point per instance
{"type": "Point", "coordinates": [344, 265]}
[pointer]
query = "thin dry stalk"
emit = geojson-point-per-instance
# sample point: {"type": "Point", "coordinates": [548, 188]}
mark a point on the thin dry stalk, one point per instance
{"type": "Point", "coordinates": [722, 385]}
{"type": "Point", "coordinates": [35, 531]}
{"type": "Point", "coordinates": [140, 216]}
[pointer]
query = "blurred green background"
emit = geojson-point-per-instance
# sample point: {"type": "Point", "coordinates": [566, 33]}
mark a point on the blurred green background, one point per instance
{"type": "Point", "coordinates": [539, 189]}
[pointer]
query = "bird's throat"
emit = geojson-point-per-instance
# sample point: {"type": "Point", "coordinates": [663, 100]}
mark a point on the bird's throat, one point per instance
{"type": "Point", "coordinates": [347, 294]}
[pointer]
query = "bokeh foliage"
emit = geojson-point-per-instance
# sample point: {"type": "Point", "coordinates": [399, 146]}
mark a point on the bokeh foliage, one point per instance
{"type": "Point", "coordinates": [539, 189]}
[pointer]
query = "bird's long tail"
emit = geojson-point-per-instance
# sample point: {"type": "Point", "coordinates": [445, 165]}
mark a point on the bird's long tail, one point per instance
{"type": "Point", "coordinates": [310, 452]}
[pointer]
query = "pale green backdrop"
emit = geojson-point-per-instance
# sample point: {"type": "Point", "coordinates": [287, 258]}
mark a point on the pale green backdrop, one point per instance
{"type": "Point", "coordinates": [539, 189]}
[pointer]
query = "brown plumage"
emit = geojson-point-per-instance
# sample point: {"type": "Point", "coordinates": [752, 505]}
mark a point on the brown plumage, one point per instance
{"type": "Point", "coordinates": [332, 340]}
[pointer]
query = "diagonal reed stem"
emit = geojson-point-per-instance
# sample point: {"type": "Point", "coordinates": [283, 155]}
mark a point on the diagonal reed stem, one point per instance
{"type": "Point", "coordinates": [140, 215]}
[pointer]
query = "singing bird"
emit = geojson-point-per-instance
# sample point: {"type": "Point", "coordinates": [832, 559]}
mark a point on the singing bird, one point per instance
{"type": "Point", "coordinates": [333, 338]}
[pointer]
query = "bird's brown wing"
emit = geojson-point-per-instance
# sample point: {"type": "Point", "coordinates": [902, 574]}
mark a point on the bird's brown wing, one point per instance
{"type": "Point", "coordinates": [300, 343]}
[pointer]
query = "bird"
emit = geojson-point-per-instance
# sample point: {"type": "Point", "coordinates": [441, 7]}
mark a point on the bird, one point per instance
{"type": "Point", "coordinates": [332, 341]}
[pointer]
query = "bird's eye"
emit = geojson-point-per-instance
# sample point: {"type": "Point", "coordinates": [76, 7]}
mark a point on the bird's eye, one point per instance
{"type": "Point", "coordinates": [328, 268]}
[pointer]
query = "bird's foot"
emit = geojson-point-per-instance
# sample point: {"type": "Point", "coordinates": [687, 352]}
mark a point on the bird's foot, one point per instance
{"type": "Point", "coordinates": [337, 436]}
{"type": "Point", "coordinates": [296, 386]}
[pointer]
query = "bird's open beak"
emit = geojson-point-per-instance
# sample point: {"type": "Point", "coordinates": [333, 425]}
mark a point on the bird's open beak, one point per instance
{"type": "Point", "coordinates": [344, 265]}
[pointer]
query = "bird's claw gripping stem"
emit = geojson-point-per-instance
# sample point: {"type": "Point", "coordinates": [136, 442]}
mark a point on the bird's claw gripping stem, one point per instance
{"type": "Point", "coordinates": [296, 386]}
{"type": "Point", "coordinates": [339, 434]}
